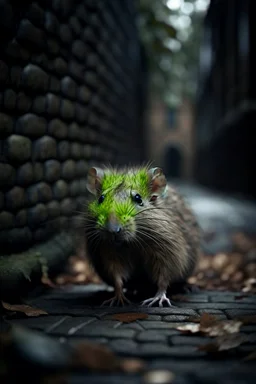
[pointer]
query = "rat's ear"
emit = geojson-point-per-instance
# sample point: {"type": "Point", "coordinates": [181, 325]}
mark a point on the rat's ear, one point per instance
{"type": "Point", "coordinates": [94, 180]}
{"type": "Point", "coordinates": [158, 181]}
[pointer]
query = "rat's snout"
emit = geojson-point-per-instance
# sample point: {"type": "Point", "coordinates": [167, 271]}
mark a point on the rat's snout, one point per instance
{"type": "Point", "coordinates": [113, 224]}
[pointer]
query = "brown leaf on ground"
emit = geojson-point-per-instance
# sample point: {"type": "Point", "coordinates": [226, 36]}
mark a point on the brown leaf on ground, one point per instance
{"type": "Point", "coordinates": [159, 376]}
{"type": "Point", "coordinates": [247, 319]}
{"type": "Point", "coordinates": [99, 358]}
{"type": "Point", "coordinates": [94, 357]}
{"type": "Point", "coordinates": [224, 343]}
{"type": "Point", "coordinates": [132, 365]}
{"type": "Point", "coordinates": [251, 356]}
{"type": "Point", "coordinates": [129, 317]}
{"type": "Point", "coordinates": [46, 281]}
{"type": "Point", "coordinates": [207, 320]}
{"type": "Point", "coordinates": [26, 309]}
{"type": "Point", "coordinates": [208, 324]}
{"type": "Point", "coordinates": [189, 328]}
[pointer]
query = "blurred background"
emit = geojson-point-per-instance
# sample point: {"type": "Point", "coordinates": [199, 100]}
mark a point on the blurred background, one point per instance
{"type": "Point", "coordinates": [201, 99]}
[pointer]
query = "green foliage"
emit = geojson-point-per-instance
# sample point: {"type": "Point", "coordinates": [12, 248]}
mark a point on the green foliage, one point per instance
{"type": "Point", "coordinates": [172, 36]}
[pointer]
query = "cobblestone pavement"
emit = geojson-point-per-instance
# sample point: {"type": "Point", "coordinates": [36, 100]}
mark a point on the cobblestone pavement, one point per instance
{"type": "Point", "coordinates": [72, 318]}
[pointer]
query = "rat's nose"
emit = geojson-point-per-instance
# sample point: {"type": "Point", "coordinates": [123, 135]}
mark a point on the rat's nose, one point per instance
{"type": "Point", "coordinates": [113, 225]}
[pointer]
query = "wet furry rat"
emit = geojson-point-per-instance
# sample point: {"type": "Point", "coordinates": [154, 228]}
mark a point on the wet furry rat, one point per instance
{"type": "Point", "coordinates": [138, 226]}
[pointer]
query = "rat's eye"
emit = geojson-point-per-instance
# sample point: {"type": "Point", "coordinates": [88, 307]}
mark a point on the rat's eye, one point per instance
{"type": "Point", "coordinates": [137, 198]}
{"type": "Point", "coordinates": [101, 199]}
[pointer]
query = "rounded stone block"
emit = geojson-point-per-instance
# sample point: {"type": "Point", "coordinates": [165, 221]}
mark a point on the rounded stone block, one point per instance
{"type": "Point", "coordinates": [51, 23]}
{"type": "Point", "coordinates": [25, 174]}
{"type": "Point", "coordinates": [75, 150]}
{"type": "Point", "coordinates": [23, 102]}
{"type": "Point", "coordinates": [31, 125]}
{"type": "Point", "coordinates": [52, 170]}
{"type": "Point", "coordinates": [74, 188]}
{"type": "Point", "coordinates": [52, 104]}
{"type": "Point", "coordinates": [60, 189]}
{"type": "Point", "coordinates": [21, 218]}
{"type": "Point", "coordinates": [9, 99]}
{"type": "Point", "coordinates": [53, 208]}
{"type": "Point", "coordinates": [39, 104]}
{"type": "Point", "coordinates": [30, 36]}
{"type": "Point", "coordinates": [45, 148]}
{"type": "Point", "coordinates": [38, 171]}
{"type": "Point", "coordinates": [34, 78]}
{"type": "Point", "coordinates": [6, 220]}
{"type": "Point", "coordinates": [68, 87]}
{"type": "Point", "coordinates": [15, 198]}
{"type": "Point", "coordinates": [67, 207]}
{"type": "Point", "coordinates": [67, 109]}
{"type": "Point", "coordinates": [68, 170]}
{"type": "Point", "coordinates": [6, 125]}
{"type": "Point", "coordinates": [37, 215]}
{"type": "Point", "coordinates": [7, 175]}
{"type": "Point", "coordinates": [18, 148]}
{"type": "Point", "coordinates": [63, 150]}
{"type": "Point", "coordinates": [58, 129]}
{"type": "Point", "coordinates": [81, 168]}
{"type": "Point", "coordinates": [60, 66]}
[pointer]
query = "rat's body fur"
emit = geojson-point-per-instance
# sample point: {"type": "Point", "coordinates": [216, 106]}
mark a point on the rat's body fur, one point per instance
{"type": "Point", "coordinates": [159, 240]}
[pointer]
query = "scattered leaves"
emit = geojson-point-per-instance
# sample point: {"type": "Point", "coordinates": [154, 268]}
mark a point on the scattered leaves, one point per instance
{"type": "Point", "coordinates": [99, 358]}
{"type": "Point", "coordinates": [94, 357]}
{"type": "Point", "coordinates": [234, 271]}
{"type": "Point", "coordinates": [211, 326]}
{"type": "Point", "coordinates": [132, 365]}
{"type": "Point", "coordinates": [159, 377]}
{"type": "Point", "coordinates": [224, 342]}
{"type": "Point", "coordinates": [26, 309]}
{"type": "Point", "coordinates": [129, 317]}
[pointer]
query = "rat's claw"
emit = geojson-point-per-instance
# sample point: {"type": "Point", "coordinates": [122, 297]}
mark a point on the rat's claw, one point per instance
{"type": "Point", "coordinates": [116, 300]}
{"type": "Point", "coordinates": [161, 297]}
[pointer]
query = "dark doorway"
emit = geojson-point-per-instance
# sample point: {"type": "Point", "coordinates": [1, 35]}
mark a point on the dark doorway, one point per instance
{"type": "Point", "coordinates": [173, 162]}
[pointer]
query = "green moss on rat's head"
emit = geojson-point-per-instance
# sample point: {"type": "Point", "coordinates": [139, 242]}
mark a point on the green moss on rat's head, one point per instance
{"type": "Point", "coordinates": [116, 189]}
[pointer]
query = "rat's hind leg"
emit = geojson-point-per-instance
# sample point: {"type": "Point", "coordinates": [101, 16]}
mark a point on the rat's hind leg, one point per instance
{"type": "Point", "coordinates": [119, 297]}
{"type": "Point", "coordinates": [162, 284]}
{"type": "Point", "coordinates": [159, 296]}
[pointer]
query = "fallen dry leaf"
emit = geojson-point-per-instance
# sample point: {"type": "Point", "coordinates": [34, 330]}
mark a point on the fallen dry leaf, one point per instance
{"type": "Point", "coordinates": [222, 328]}
{"type": "Point", "coordinates": [26, 309]}
{"type": "Point", "coordinates": [94, 357]}
{"type": "Point", "coordinates": [208, 324]}
{"type": "Point", "coordinates": [132, 365]}
{"type": "Point", "coordinates": [224, 342]}
{"type": "Point", "coordinates": [46, 281]}
{"type": "Point", "coordinates": [189, 328]}
{"type": "Point", "coordinates": [251, 356]}
{"type": "Point", "coordinates": [160, 376]}
{"type": "Point", "coordinates": [129, 317]}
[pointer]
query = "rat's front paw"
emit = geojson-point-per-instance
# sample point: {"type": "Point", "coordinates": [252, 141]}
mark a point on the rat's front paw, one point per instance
{"type": "Point", "coordinates": [116, 300]}
{"type": "Point", "coordinates": [160, 296]}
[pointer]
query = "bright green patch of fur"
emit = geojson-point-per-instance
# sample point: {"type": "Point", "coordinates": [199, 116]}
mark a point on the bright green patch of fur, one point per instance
{"type": "Point", "coordinates": [124, 209]}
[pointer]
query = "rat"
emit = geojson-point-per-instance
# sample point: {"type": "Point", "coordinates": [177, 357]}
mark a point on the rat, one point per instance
{"type": "Point", "coordinates": [138, 226]}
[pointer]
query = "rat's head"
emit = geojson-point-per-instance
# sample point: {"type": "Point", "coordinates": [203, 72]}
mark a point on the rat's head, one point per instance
{"type": "Point", "coordinates": [119, 197]}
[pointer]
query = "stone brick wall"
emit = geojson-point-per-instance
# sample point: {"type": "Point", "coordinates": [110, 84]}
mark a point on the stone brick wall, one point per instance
{"type": "Point", "coordinates": [70, 83]}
